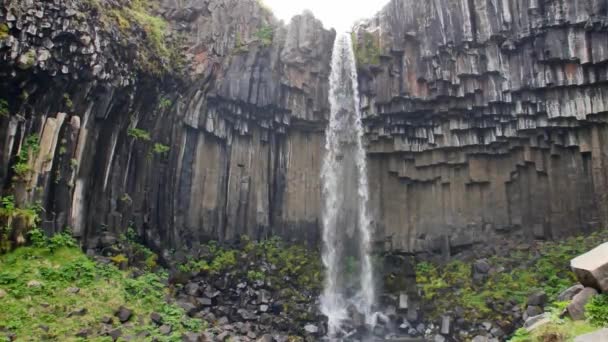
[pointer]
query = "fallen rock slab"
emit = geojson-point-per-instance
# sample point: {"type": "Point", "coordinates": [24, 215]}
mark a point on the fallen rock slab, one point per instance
{"type": "Point", "coordinates": [591, 268]}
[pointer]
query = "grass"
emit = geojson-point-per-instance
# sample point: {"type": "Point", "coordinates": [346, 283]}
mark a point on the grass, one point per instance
{"type": "Point", "coordinates": [557, 331]}
{"type": "Point", "coordinates": [546, 268]}
{"type": "Point", "coordinates": [60, 266]}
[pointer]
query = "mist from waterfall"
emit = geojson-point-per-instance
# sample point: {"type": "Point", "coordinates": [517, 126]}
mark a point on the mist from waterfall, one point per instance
{"type": "Point", "coordinates": [349, 283]}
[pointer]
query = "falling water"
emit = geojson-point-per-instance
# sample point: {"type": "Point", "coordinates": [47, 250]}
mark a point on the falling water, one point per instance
{"type": "Point", "coordinates": [349, 286]}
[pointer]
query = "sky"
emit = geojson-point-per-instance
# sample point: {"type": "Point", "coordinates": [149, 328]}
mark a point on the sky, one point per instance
{"type": "Point", "coordinates": [339, 14]}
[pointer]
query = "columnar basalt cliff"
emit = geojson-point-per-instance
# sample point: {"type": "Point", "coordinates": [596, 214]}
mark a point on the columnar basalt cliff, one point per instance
{"type": "Point", "coordinates": [486, 118]}
{"type": "Point", "coordinates": [483, 118]}
{"type": "Point", "coordinates": [220, 143]}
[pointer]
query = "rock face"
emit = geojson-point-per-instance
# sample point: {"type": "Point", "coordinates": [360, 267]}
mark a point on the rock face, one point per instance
{"type": "Point", "coordinates": [476, 113]}
{"type": "Point", "coordinates": [230, 147]}
{"type": "Point", "coordinates": [485, 117]}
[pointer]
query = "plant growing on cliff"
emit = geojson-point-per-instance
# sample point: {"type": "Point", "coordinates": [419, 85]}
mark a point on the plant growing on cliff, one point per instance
{"type": "Point", "coordinates": [367, 50]}
{"type": "Point", "coordinates": [165, 103]}
{"type": "Point", "coordinates": [68, 101]}
{"type": "Point", "coordinates": [4, 111]}
{"type": "Point", "coordinates": [12, 217]}
{"type": "Point", "coordinates": [139, 134]}
{"type": "Point", "coordinates": [4, 31]}
{"type": "Point", "coordinates": [30, 148]}
{"type": "Point", "coordinates": [160, 148]}
{"type": "Point", "coordinates": [265, 35]}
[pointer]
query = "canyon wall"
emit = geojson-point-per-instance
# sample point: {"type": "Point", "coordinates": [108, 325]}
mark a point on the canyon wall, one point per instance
{"type": "Point", "coordinates": [223, 143]}
{"type": "Point", "coordinates": [484, 118]}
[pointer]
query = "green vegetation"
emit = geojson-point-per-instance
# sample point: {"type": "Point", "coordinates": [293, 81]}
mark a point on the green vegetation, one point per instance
{"type": "Point", "coordinates": [136, 18]}
{"type": "Point", "coordinates": [239, 45]}
{"type": "Point", "coordinates": [367, 51]}
{"type": "Point", "coordinates": [139, 134]}
{"type": "Point", "coordinates": [520, 274]}
{"type": "Point", "coordinates": [29, 150]}
{"type": "Point", "coordinates": [27, 60]}
{"type": "Point", "coordinates": [165, 103]}
{"type": "Point", "coordinates": [15, 223]}
{"type": "Point", "coordinates": [291, 262]}
{"type": "Point", "coordinates": [68, 101]}
{"type": "Point", "coordinates": [265, 35]}
{"type": "Point", "coordinates": [558, 330]}
{"type": "Point", "coordinates": [4, 111]}
{"type": "Point", "coordinates": [597, 311]}
{"type": "Point", "coordinates": [46, 283]}
{"type": "Point", "coordinates": [4, 31]}
{"type": "Point", "coordinates": [160, 148]}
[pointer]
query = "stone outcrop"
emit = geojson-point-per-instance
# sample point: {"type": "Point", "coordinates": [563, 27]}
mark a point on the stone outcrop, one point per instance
{"type": "Point", "coordinates": [477, 113]}
{"type": "Point", "coordinates": [485, 118]}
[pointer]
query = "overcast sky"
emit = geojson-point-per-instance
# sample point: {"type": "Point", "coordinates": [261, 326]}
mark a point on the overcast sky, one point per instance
{"type": "Point", "coordinates": [339, 14]}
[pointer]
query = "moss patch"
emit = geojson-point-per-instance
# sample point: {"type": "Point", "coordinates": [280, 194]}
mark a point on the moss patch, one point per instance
{"type": "Point", "coordinates": [41, 310]}
{"type": "Point", "coordinates": [4, 31]}
{"type": "Point", "coordinates": [367, 50]}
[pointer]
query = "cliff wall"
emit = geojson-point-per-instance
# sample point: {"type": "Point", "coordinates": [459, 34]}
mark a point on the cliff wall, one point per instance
{"type": "Point", "coordinates": [204, 119]}
{"type": "Point", "coordinates": [485, 118]}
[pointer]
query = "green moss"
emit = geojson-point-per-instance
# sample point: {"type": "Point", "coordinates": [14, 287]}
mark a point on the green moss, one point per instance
{"type": "Point", "coordinates": [160, 148]}
{"type": "Point", "coordinates": [103, 288]}
{"type": "Point", "coordinates": [139, 134]}
{"type": "Point", "coordinates": [9, 215]}
{"type": "Point", "coordinates": [4, 31]}
{"type": "Point", "coordinates": [367, 51]}
{"type": "Point", "coordinates": [29, 150]}
{"type": "Point", "coordinates": [265, 35]}
{"type": "Point", "coordinates": [4, 110]}
{"type": "Point", "coordinates": [158, 55]}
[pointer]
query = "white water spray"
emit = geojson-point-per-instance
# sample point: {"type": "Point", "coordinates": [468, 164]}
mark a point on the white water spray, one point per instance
{"type": "Point", "coordinates": [346, 224]}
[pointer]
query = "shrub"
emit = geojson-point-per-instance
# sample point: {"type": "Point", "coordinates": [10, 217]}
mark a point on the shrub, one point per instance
{"type": "Point", "coordinates": [8, 214]}
{"type": "Point", "coordinates": [160, 148]}
{"type": "Point", "coordinates": [4, 111]}
{"type": "Point", "coordinates": [139, 134]}
{"type": "Point", "coordinates": [30, 147]}
{"type": "Point", "coordinates": [265, 35]}
{"type": "Point", "coordinates": [597, 310]}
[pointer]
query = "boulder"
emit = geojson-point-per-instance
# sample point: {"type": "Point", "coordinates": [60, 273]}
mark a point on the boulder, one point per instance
{"type": "Point", "coordinates": [191, 337]}
{"type": "Point", "coordinates": [569, 293]}
{"type": "Point", "coordinates": [123, 314]}
{"type": "Point", "coordinates": [576, 308]}
{"type": "Point", "coordinates": [311, 329]}
{"type": "Point", "coordinates": [482, 266]}
{"type": "Point", "coordinates": [591, 268]}
{"type": "Point", "coordinates": [536, 322]}
{"type": "Point", "coordinates": [537, 299]}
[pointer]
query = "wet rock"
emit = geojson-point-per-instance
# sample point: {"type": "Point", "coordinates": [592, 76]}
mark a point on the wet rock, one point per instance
{"type": "Point", "coordinates": [204, 301]}
{"type": "Point", "coordinates": [78, 312]}
{"type": "Point", "coordinates": [482, 266]}
{"type": "Point", "coordinates": [73, 290]}
{"type": "Point", "coordinates": [123, 314]}
{"type": "Point", "coordinates": [165, 329]}
{"type": "Point", "coordinates": [192, 337]}
{"type": "Point", "coordinates": [403, 301]}
{"type": "Point", "coordinates": [192, 289]}
{"type": "Point", "coordinates": [83, 333]}
{"type": "Point", "coordinates": [446, 325]}
{"type": "Point", "coordinates": [311, 329]}
{"type": "Point", "coordinates": [34, 283]}
{"type": "Point", "coordinates": [536, 322]}
{"type": "Point", "coordinates": [576, 308]}
{"type": "Point", "coordinates": [569, 293]}
{"type": "Point", "coordinates": [532, 311]}
{"type": "Point", "coordinates": [537, 299]}
{"type": "Point", "coordinates": [156, 318]}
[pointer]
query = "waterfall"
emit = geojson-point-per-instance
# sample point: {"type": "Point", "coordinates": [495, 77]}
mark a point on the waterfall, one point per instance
{"type": "Point", "coordinates": [349, 284]}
